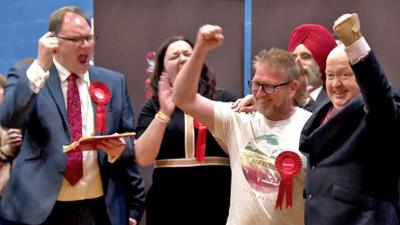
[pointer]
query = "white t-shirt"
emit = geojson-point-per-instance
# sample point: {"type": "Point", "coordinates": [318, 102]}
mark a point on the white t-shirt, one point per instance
{"type": "Point", "coordinates": [253, 143]}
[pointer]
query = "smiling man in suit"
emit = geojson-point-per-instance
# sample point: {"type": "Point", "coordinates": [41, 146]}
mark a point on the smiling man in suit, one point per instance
{"type": "Point", "coordinates": [353, 173]}
{"type": "Point", "coordinates": [51, 101]}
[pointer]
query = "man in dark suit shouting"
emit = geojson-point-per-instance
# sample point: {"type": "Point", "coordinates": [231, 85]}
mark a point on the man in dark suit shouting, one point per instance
{"type": "Point", "coordinates": [56, 100]}
{"type": "Point", "coordinates": [353, 170]}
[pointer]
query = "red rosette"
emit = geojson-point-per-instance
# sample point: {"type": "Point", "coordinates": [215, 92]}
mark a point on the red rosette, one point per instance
{"type": "Point", "coordinates": [101, 95]}
{"type": "Point", "coordinates": [288, 164]}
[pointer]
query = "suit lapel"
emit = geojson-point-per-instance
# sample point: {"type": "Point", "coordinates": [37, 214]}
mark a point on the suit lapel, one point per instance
{"type": "Point", "coordinates": [95, 77]}
{"type": "Point", "coordinates": [322, 140]}
{"type": "Point", "coordinates": [54, 86]}
{"type": "Point", "coordinates": [322, 99]}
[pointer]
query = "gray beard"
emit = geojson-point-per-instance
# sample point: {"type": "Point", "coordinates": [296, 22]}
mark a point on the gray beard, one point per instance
{"type": "Point", "coordinates": [314, 76]}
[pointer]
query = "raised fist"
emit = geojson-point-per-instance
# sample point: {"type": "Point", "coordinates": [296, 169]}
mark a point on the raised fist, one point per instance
{"type": "Point", "coordinates": [210, 37]}
{"type": "Point", "coordinates": [347, 27]}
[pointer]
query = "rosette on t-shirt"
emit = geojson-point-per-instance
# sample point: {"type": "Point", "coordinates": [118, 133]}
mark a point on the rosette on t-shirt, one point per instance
{"type": "Point", "coordinates": [288, 164]}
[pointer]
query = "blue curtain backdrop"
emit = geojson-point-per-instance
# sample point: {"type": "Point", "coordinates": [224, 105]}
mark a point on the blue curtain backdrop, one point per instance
{"type": "Point", "coordinates": [23, 22]}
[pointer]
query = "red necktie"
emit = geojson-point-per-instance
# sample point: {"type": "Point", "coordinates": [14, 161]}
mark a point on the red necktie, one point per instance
{"type": "Point", "coordinates": [74, 169]}
{"type": "Point", "coordinates": [331, 112]}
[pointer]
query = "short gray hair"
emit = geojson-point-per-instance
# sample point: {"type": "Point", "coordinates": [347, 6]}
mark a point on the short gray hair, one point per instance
{"type": "Point", "coordinates": [278, 59]}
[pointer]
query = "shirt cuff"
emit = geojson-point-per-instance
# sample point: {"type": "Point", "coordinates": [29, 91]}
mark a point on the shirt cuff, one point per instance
{"type": "Point", "coordinates": [358, 51]}
{"type": "Point", "coordinates": [37, 77]}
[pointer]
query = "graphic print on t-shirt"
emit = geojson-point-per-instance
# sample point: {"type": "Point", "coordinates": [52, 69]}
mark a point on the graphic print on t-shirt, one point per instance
{"type": "Point", "coordinates": [258, 163]}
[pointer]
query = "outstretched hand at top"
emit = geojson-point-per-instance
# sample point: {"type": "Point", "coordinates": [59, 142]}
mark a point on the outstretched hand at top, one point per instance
{"type": "Point", "coordinates": [210, 37]}
{"type": "Point", "coordinates": [48, 44]}
{"type": "Point", "coordinates": [347, 27]}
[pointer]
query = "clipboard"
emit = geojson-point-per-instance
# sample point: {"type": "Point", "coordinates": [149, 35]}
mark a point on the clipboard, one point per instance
{"type": "Point", "coordinates": [90, 142]}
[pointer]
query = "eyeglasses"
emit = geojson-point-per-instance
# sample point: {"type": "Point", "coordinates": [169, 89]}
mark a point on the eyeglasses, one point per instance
{"type": "Point", "coordinates": [79, 41]}
{"type": "Point", "coordinates": [266, 88]}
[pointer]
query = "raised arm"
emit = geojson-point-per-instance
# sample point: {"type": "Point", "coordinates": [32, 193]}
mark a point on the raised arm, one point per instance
{"type": "Point", "coordinates": [23, 84]}
{"type": "Point", "coordinates": [376, 89]}
{"type": "Point", "coordinates": [147, 146]}
{"type": "Point", "coordinates": [185, 88]}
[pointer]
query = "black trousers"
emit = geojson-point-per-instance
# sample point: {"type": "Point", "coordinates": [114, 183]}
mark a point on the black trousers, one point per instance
{"type": "Point", "coordinates": [84, 212]}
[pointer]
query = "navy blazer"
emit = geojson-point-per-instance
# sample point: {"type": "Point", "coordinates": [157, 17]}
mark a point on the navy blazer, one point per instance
{"type": "Point", "coordinates": [353, 158]}
{"type": "Point", "coordinates": [37, 175]}
{"type": "Point", "coordinates": [322, 99]}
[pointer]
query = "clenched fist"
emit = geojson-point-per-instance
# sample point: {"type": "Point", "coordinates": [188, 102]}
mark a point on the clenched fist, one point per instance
{"type": "Point", "coordinates": [48, 44]}
{"type": "Point", "coordinates": [210, 37]}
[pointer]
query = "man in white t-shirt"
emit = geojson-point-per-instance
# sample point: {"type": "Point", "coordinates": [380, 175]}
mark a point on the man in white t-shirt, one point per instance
{"type": "Point", "coordinates": [253, 140]}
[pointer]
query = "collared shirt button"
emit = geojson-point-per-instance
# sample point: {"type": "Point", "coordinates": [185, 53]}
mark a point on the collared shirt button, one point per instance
{"type": "Point", "coordinates": [313, 168]}
{"type": "Point", "coordinates": [309, 197]}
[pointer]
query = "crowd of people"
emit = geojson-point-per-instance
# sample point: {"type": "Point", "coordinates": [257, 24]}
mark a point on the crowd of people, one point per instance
{"type": "Point", "coordinates": [314, 143]}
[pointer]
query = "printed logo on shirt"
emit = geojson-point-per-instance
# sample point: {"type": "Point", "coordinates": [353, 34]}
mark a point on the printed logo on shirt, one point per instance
{"type": "Point", "coordinates": [258, 160]}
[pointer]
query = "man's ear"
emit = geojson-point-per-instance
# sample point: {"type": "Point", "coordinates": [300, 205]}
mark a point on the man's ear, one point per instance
{"type": "Point", "coordinates": [294, 85]}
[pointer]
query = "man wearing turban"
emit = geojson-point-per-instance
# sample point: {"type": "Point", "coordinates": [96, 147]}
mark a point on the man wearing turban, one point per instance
{"type": "Point", "coordinates": [311, 44]}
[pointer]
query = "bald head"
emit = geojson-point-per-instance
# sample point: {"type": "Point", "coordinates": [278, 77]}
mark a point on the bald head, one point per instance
{"type": "Point", "coordinates": [341, 84]}
{"type": "Point", "coordinates": [338, 53]}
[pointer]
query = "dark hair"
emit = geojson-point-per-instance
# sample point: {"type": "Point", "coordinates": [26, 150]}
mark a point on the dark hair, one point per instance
{"type": "Point", "coordinates": [207, 80]}
{"type": "Point", "coordinates": [57, 17]}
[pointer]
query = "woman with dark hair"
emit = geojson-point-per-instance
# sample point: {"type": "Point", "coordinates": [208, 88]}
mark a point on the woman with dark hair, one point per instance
{"type": "Point", "coordinates": [191, 170]}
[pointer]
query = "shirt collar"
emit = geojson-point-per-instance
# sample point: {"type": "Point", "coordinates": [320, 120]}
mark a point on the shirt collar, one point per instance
{"type": "Point", "coordinates": [63, 73]}
{"type": "Point", "coordinates": [314, 94]}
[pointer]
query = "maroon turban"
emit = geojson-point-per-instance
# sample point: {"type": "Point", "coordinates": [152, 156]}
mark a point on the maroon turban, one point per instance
{"type": "Point", "coordinates": [317, 39]}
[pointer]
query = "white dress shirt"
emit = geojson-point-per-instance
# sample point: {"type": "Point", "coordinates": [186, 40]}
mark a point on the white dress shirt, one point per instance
{"type": "Point", "coordinates": [314, 93]}
{"type": "Point", "coordinates": [90, 185]}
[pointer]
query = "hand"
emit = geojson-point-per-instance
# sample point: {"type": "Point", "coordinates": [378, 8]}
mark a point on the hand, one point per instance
{"type": "Point", "coordinates": [167, 106]}
{"type": "Point", "coordinates": [14, 139]}
{"type": "Point", "coordinates": [48, 44]}
{"type": "Point", "coordinates": [245, 104]}
{"type": "Point", "coordinates": [210, 37]}
{"type": "Point", "coordinates": [132, 221]}
{"type": "Point", "coordinates": [113, 147]}
{"type": "Point", "coordinates": [347, 27]}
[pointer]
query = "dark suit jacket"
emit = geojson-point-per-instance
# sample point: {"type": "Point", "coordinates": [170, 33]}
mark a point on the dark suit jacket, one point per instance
{"type": "Point", "coordinates": [38, 172]}
{"type": "Point", "coordinates": [322, 99]}
{"type": "Point", "coordinates": [353, 168]}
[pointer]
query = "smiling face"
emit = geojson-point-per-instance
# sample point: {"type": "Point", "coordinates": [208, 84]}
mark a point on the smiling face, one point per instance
{"type": "Point", "coordinates": [341, 83]}
{"type": "Point", "coordinates": [177, 54]}
{"type": "Point", "coordinates": [277, 70]}
{"type": "Point", "coordinates": [74, 58]}
{"type": "Point", "coordinates": [278, 105]}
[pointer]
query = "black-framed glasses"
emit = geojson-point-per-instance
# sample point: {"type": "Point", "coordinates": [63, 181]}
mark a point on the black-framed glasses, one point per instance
{"type": "Point", "coordinates": [266, 88]}
{"type": "Point", "coordinates": [79, 41]}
